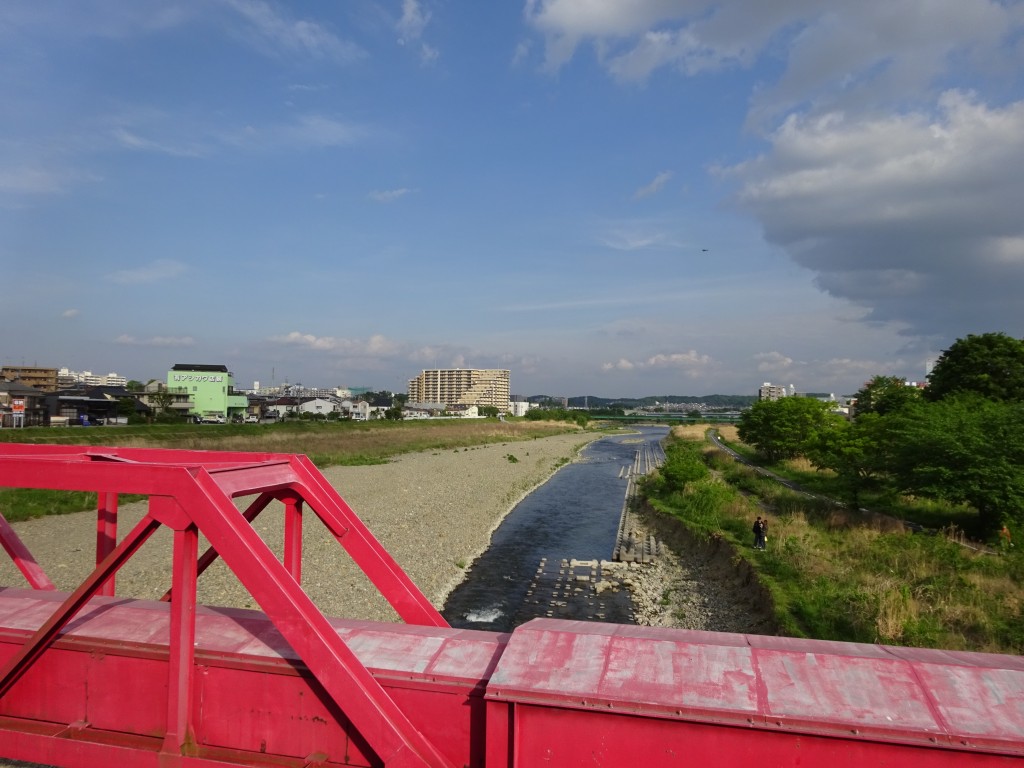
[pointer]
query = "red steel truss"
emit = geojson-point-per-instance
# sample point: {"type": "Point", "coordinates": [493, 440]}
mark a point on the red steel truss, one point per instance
{"type": "Point", "coordinates": [89, 679]}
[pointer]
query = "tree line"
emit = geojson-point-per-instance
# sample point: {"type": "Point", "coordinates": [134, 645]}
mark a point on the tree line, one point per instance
{"type": "Point", "coordinates": [958, 440]}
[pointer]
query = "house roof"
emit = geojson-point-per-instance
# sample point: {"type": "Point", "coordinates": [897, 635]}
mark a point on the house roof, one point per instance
{"type": "Point", "coordinates": [199, 367]}
{"type": "Point", "coordinates": [18, 387]}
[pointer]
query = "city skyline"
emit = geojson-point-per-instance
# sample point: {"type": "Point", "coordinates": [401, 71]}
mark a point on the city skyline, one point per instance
{"type": "Point", "coordinates": [607, 198]}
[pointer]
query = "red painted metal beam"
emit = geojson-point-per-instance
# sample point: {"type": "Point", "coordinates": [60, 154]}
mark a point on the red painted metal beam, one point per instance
{"type": "Point", "coordinates": [186, 496]}
{"type": "Point", "coordinates": [259, 703]}
{"type": "Point", "coordinates": [89, 680]}
{"type": "Point", "coordinates": [22, 558]}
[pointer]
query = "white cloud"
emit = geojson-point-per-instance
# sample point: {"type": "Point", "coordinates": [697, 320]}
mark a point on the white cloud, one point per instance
{"type": "Point", "coordinates": [414, 20]}
{"type": "Point", "coordinates": [28, 180]}
{"type": "Point", "coordinates": [376, 345]}
{"type": "Point", "coordinates": [914, 216]}
{"type": "Point", "coordinates": [636, 237]}
{"type": "Point", "coordinates": [884, 49]}
{"type": "Point", "coordinates": [34, 181]}
{"type": "Point", "coordinates": [70, 313]}
{"type": "Point", "coordinates": [130, 140]}
{"type": "Point", "coordinates": [692, 363]}
{"type": "Point", "coordinates": [307, 131]}
{"type": "Point", "coordinates": [389, 195]}
{"type": "Point", "coordinates": [428, 54]}
{"type": "Point", "coordinates": [270, 28]}
{"type": "Point", "coordinates": [622, 364]}
{"type": "Point", "coordinates": [321, 131]}
{"type": "Point", "coordinates": [654, 186]}
{"type": "Point", "coordinates": [522, 52]}
{"type": "Point", "coordinates": [154, 272]}
{"type": "Point", "coordinates": [773, 362]}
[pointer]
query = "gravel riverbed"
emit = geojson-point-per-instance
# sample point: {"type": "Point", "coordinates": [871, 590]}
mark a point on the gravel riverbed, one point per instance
{"type": "Point", "coordinates": [434, 512]}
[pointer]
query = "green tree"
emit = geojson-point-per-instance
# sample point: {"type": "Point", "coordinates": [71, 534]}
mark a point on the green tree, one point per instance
{"type": "Point", "coordinates": [859, 452]}
{"type": "Point", "coordinates": [990, 365]}
{"type": "Point", "coordinates": [126, 407]}
{"type": "Point", "coordinates": [134, 386]}
{"type": "Point", "coordinates": [489, 410]}
{"type": "Point", "coordinates": [885, 394]}
{"type": "Point", "coordinates": [162, 399]}
{"type": "Point", "coordinates": [394, 413]}
{"type": "Point", "coordinates": [784, 428]}
{"type": "Point", "coordinates": [964, 449]}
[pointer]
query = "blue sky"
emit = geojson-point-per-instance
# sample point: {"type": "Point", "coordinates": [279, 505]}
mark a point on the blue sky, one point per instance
{"type": "Point", "coordinates": [607, 197]}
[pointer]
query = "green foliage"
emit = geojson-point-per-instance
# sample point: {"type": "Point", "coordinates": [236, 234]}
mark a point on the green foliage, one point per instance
{"type": "Point", "coordinates": [162, 400]}
{"type": "Point", "coordinates": [382, 399]}
{"type": "Point", "coordinates": [990, 365]}
{"type": "Point", "coordinates": [610, 411]}
{"type": "Point", "coordinates": [684, 464]}
{"type": "Point", "coordinates": [782, 429]}
{"type": "Point", "coordinates": [841, 575]}
{"type": "Point", "coordinates": [18, 504]}
{"type": "Point", "coordinates": [964, 449]}
{"type": "Point", "coordinates": [859, 453]}
{"type": "Point", "coordinates": [885, 394]}
{"type": "Point", "coordinates": [512, 459]}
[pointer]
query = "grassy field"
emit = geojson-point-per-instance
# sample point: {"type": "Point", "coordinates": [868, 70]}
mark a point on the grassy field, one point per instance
{"type": "Point", "coordinates": [839, 574]}
{"type": "Point", "coordinates": [325, 443]}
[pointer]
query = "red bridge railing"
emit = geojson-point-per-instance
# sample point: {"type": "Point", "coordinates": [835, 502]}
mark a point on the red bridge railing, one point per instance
{"type": "Point", "coordinates": [90, 679]}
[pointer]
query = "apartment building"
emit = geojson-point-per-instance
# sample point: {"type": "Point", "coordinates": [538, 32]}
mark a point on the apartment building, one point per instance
{"type": "Point", "coordinates": [67, 378]}
{"type": "Point", "coordinates": [462, 387]}
{"type": "Point", "coordinates": [769, 391]}
{"type": "Point", "coordinates": [43, 379]}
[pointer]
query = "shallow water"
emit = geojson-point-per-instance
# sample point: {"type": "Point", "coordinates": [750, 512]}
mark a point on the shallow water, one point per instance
{"type": "Point", "coordinates": [527, 570]}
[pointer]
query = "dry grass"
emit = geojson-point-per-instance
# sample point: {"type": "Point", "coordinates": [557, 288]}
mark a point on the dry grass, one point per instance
{"type": "Point", "coordinates": [729, 432]}
{"type": "Point", "coordinates": [896, 610]}
{"type": "Point", "coordinates": [690, 431]}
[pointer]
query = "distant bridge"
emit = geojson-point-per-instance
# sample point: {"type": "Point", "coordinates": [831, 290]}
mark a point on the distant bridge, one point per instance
{"type": "Point", "coordinates": [673, 418]}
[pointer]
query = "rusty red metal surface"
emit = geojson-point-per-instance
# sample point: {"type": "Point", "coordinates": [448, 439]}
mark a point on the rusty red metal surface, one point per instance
{"type": "Point", "coordinates": [724, 699]}
{"type": "Point", "coordinates": [89, 679]}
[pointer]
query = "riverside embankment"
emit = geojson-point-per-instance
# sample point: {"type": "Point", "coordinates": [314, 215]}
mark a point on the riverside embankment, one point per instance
{"type": "Point", "coordinates": [434, 511]}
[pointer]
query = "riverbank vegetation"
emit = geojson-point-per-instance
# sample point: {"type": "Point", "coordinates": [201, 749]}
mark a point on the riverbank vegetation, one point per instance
{"type": "Point", "coordinates": [325, 443]}
{"type": "Point", "coordinates": [840, 573]}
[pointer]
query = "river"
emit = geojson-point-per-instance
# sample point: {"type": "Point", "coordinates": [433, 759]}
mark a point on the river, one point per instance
{"type": "Point", "coordinates": [544, 558]}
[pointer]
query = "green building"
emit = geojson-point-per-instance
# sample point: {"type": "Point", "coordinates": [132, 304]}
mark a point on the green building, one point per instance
{"type": "Point", "coordinates": [210, 390]}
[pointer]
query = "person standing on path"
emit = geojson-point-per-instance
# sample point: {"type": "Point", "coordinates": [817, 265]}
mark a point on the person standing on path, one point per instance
{"type": "Point", "coordinates": [760, 529]}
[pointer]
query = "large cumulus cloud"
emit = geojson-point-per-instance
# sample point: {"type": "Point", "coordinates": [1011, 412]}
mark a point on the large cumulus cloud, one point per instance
{"type": "Point", "coordinates": [916, 215]}
{"type": "Point", "coordinates": [892, 135]}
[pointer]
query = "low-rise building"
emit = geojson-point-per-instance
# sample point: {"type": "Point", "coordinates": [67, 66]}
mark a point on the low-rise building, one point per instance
{"type": "Point", "coordinates": [21, 405]}
{"type": "Point", "coordinates": [209, 388]}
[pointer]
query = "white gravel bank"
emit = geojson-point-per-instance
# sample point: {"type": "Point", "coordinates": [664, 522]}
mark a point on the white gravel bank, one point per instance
{"type": "Point", "coordinates": [433, 511]}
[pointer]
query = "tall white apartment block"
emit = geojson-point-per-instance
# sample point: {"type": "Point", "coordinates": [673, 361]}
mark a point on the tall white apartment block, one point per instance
{"type": "Point", "coordinates": [67, 377]}
{"type": "Point", "coordinates": [462, 386]}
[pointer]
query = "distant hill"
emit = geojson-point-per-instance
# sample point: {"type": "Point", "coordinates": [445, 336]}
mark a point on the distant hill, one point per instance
{"type": "Point", "coordinates": [593, 401]}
